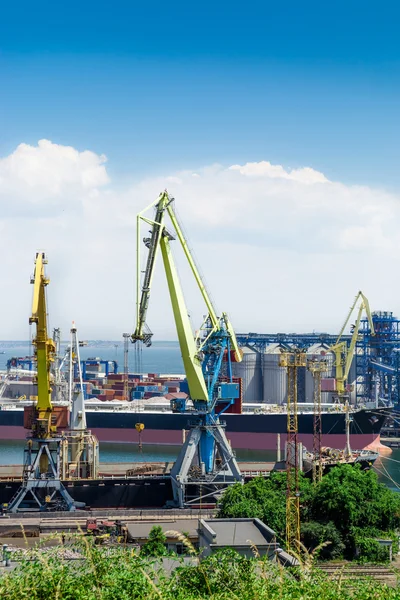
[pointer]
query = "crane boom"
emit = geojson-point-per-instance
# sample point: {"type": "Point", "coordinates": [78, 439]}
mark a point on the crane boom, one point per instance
{"type": "Point", "coordinates": [44, 348]}
{"type": "Point", "coordinates": [153, 243]}
{"type": "Point", "coordinates": [142, 332]}
{"type": "Point", "coordinates": [192, 264]}
{"type": "Point", "coordinates": [343, 355]}
{"type": "Point", "coordinates": [192, 365]}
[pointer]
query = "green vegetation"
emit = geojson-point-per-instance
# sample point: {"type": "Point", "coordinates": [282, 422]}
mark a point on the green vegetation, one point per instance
{"type": "Point", "coordinates": [156, 544]}
{"type": "Point", "coordinates": [348, 508]}
{"type": "Point", "coordinates": [119, 573]}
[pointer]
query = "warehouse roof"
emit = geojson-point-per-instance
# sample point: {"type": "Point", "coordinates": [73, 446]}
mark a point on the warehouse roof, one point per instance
{"type": "Point", "coordinates": [141, 530]}
{"type": "Point", "coordinates": [237, 532]}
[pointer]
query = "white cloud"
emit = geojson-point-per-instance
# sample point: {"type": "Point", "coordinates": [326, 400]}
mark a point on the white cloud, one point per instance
{"type": "Point", "coordinates": [49, 169]}
{"type": "Point", "coordinates": [281, 249]}
{"type": "Point", "coordinates": [265, 169]}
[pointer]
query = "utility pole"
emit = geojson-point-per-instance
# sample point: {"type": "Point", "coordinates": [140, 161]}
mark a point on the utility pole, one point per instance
{"type": "Point", "coordinates": [127, 337]}
{"type": "Point", "coordinates": [317, 367]}
{"type": "Point", "coordinates": [57, 364]}
{"type": "Point", "coordinates": [292, 360]}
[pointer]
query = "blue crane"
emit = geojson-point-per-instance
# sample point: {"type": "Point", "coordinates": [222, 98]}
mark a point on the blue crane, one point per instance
{"type": "Point", "coordinates": [206, 459]}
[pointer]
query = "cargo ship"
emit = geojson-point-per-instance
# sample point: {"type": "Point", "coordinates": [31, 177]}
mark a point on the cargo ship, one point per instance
{"type": "Point", "coordinates": [153, 399]}
{"type": "Point", "coordinates": [255, 428]}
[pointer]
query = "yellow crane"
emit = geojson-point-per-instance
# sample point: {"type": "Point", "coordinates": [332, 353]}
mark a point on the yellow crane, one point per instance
{"type": "Point", "coordinates": [343, 354]}
{"type": "Point", "coordinates": [42, 488]}
{"type": "Point", "coordinates": [292, 360]}
{"type": "Point", "coordinates": [44, 352]}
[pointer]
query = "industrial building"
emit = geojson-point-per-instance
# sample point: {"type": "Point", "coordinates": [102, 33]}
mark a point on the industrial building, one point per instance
{"type": "Point", "coordinates": [374, 374]}
{"type": "Point", "coordinates": [242, 535]}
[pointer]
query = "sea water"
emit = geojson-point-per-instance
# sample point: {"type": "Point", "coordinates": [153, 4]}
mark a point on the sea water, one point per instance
{"type": "Point", "coordinates": [161, 357]}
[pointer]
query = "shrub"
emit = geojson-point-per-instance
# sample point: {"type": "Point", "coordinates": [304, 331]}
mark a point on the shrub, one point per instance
{"type": "Point", "coordinates": [156, 544]}
{"type": "Point", "coordinates": [314, 534]}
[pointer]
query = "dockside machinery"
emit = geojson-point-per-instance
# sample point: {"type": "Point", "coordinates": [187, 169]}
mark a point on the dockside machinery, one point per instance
{"type": "Point", "coordinates": [206, 463]}
{"type": "Point", "coordinates": [42, 488]}
{"type": "Point", "coordinates": [344, 354]}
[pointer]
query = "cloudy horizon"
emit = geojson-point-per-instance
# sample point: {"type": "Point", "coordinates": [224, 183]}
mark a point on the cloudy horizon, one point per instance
{"type": "Point", "coordinates": [282, 248]}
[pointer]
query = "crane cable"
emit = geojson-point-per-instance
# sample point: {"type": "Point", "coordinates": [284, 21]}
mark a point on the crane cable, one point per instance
{"type": "Point", "coordinates": [194, 258]}
{"type": "Point", "coordinates": [387, 474]}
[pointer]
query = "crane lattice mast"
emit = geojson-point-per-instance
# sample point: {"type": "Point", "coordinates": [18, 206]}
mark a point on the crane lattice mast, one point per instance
{"type": "Point", "coordinates": [292, 360]}
{"type": "Point", "coordinates": [317, 367]}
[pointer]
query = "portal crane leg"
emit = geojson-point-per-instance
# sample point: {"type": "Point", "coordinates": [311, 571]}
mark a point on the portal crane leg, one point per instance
{"type": "Point", "coordinates": [189, 474]}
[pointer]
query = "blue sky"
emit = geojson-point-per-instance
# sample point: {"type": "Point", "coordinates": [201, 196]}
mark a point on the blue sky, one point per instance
{"type": "Point", "coordinates": [166, 85]}
{"type": "Point", "coordinates": [298, 104]}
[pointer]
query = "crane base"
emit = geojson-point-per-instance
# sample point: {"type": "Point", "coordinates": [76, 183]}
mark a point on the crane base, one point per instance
{"type": "Point", "coordinates": [43, 495]}
{"type": "Point", "coordinates": [42, 488]}
{"type": "Point", "coordinates": [190, 483]}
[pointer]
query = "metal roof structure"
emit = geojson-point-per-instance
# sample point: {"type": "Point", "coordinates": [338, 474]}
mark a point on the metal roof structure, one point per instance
{"type": "Point", "coordinates": [237, 532]}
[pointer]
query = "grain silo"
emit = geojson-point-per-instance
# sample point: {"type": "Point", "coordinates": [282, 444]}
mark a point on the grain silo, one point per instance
{"type": "Point", "coordinates": [274, 376]}
{"type": "Point", "coordinates": [250, 372]}
{"type": "Point", "coordinates": [319, 352]}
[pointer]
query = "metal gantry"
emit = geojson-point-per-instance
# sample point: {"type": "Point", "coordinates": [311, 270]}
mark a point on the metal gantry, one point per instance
{"type": "Point", "coordinates": [378, 360]}
{"type": "Point", "coordinates": [292, 361]}
{"type": "Point", "coordinates": [260, 341]}
{"type": "Point", "coordinates": [317, 367]}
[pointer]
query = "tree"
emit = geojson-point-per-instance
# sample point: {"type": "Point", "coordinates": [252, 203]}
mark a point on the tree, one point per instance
{"type": "Point", "coordinates": [156, 544]}
{"type": "Point", "coordinates": [347, 505]}
{"type": "Point", "coordinates": [265, 499]}
{"type": "Point", "coordinates": [314, 534]}
{"type": "Point", "coordinates": [352, 498]}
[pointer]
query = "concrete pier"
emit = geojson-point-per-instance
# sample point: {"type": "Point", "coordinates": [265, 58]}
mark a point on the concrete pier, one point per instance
{"type": "Point", "coordinates": [131, 469]}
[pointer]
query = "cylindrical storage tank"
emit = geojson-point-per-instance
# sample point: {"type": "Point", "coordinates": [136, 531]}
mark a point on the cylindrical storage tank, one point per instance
{"type": "Point", "coordinates": [250, 372]}
{"type": "Point", "coordinates": [319, 352]}
{"type": "Point", "coordinates": [274, 377]}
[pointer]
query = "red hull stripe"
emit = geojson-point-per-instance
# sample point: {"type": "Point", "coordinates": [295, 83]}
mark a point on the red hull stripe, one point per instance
{"type": "Point", "coordinates": [239, 441]}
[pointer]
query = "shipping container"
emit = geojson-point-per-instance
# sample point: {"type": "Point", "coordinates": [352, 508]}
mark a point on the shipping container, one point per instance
{"type": "Point", "coordinates": [59, 416]}
{"type": "Point", "coordinates": [328, 384]}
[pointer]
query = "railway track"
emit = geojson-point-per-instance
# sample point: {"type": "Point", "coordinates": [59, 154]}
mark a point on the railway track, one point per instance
{"type": "Point", "coordinates": [349, 572]}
